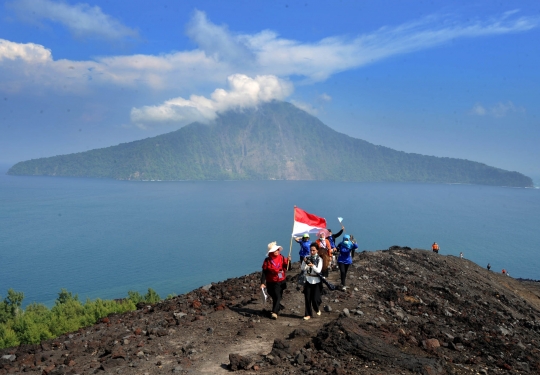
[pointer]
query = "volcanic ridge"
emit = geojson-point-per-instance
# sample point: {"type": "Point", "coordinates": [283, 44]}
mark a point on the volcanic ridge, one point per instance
{"type": "Point", "coordinates": [406, 311]}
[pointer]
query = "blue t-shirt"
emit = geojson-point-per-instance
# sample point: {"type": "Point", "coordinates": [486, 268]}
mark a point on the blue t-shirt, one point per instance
{"type": "Point", "coordinates": [345, 248]}
{"type": "Point", "coordinates": [304, 248]}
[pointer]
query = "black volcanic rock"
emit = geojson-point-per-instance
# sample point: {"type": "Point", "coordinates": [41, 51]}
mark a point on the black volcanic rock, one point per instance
{"type": "Point", "coordinates": [421, 313]}
{"type": "Point", "coordinates": [274, 141]}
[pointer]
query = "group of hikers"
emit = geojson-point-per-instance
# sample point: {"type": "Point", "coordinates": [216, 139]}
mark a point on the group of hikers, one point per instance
{"type": "Point", "coordinates": [435, 249]}
{"type": "Point", "coordinates": [317, 259]}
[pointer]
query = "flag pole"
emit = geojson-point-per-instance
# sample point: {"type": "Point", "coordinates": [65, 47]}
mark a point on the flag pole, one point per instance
{"type": "Point", "coordinates": [290, 247]}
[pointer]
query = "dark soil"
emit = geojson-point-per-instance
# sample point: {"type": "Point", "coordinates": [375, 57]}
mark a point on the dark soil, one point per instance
{"type": "Point", "coordinates": [405, 312]}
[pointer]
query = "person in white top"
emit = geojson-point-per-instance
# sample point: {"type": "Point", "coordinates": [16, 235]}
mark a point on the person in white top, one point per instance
{"type": "Point", "coordinates": [312, 266]}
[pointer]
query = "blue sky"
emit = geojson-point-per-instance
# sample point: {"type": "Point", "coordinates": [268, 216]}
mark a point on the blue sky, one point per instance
{"type": "Point", "coordinates": [457, 79]}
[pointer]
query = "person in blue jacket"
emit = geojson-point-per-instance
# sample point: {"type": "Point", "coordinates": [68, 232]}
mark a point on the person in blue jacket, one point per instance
{"type": "Point", "coordinates": [344, 258]}
{"type": "Point", "coordinates": [305, 243]}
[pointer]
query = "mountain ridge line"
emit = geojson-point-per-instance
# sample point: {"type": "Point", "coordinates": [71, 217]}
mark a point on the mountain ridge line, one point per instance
{"type": "Point", "coordinates": [275, 141]}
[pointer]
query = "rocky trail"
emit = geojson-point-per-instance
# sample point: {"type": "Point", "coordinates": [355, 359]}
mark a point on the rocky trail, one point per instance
{"type": "Point", "coordinates": [405, 312]}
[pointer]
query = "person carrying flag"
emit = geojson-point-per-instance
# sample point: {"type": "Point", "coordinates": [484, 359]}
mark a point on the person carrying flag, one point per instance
{"type": "Point", "coordinates": [305, 223]}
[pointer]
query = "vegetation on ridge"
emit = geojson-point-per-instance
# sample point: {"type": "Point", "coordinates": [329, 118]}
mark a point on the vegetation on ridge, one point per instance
{"type": "Point", "coordinates": [37, 322]}
{"type": "Point", "coordinates": [275, 141]}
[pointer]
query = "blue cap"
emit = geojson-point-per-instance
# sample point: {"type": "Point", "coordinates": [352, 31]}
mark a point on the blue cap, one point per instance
{"type": "Point", "coordinates": [346, 237]}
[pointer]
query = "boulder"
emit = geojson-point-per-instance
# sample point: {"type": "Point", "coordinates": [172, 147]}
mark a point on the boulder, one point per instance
{"type": "Point", "coordinates": [238, 362]}
{"type": "Point", "coordinates": [345, 336]}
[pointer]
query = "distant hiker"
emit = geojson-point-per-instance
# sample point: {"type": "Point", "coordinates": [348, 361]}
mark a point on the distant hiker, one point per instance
{"type": "Point", "coordinates": [304, 245]}
{"type": "Point", "coordinates": [503, 271]}
{"type": "Point", "coordinates": [312, 265]}
{"type": "Point", "coordinates": [461, 255]}
{"type": "Point", "coordinates": [273, 276]}
{"type": "Point", "coordinates": [489, 267]}
{"type": "Point", "coordinates": [435, 247]}
{"type": "Point", "coordinates": [344, 259]}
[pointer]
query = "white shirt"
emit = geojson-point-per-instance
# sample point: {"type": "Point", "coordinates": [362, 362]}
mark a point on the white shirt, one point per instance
{"type": "Point", "coordinates": [316, 269]}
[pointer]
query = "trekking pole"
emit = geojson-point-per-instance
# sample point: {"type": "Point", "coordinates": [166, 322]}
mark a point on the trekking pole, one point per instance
{"type": "Point", "coordinates": [290, 247]}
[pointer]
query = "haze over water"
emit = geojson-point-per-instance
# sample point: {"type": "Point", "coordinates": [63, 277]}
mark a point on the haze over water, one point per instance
{"type": "Point", "coordinates": [101, 238]}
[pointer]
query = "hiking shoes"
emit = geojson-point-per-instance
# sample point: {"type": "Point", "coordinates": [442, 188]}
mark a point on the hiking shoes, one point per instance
{"type": "Point", "coordinates": [307, 317]}
{"type": "Point", "coordinates": [274, 316]}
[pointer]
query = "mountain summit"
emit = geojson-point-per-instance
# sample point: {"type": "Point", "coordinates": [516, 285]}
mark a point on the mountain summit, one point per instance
{"type": "Point", "coordinates": [274, 141]}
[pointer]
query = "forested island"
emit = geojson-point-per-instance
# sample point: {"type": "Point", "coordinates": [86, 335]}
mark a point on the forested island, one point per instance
{"type": "Point", "coordinates": [274, 141]}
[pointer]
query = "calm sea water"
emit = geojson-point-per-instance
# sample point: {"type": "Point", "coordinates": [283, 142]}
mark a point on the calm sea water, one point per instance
{"type": "Point", "coordinates": [101, 238]}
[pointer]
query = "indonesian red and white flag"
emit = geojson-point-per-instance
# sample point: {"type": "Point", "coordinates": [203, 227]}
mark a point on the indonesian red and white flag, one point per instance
{"type": "Point", "coordinates": [304, 222]}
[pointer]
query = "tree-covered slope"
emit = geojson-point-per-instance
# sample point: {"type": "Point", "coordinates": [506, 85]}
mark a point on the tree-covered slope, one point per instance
{"type": "Point", "coordinates": [274, 141]}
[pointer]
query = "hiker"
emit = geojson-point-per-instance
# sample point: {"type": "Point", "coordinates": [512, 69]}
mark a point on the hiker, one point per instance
{"type": "Point", "coordinates": [460, 255]}
{"type": "Point", "coordinates": [488, 267]}
{"type": "Point", "coordinates": [312, 265]}
{"type": "Point", "coordinates": [324, 245]}
{"type": "Point", "coordinates": [435, 247]}
{"type": "Point", "coordinates": [326, 258]}
{"type": "Point", "coordinates": [273, 276]}
{"type": "Point", "coordinates": [332, 239]}
{"type": "Point", "coordinates": [503, 271]}
{"type": "Point", "coordinates": [304, 245]}
{"type": "Point", "coordinates": [344, 258]}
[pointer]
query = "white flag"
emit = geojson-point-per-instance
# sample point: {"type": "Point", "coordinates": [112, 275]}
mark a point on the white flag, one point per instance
{"type": "Point", "coordinates": [340, 219]}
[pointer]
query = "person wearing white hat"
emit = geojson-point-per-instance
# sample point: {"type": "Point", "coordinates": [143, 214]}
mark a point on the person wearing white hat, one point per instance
{"type": "Point", "coordinates": [273, 276]}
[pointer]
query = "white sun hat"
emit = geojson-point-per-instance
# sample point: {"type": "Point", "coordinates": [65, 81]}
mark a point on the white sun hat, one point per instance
{"type": "Point", "coordinates": [272, 246]}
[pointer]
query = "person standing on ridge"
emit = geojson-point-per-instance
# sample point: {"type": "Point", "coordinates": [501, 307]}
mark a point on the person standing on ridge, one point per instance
{"type": "Point", "coordinates": [461, 255]}
{"type": "Point", "coordinates": [312, 265]}
{"type": "Point", "coordinates": [435, 247]}
{"type": "Point", "coordinates": [326, 259]}
{"type": "Point", "coordinates": [344, 259]}
{"type": "Point", "coordinates": [273, 276]}
{"type": "Point", "coordinates": [332, 239]}
{"type": "Point", "coordinates": [488, 267]}
{"type": "Point", "coordinates": [304, 245]}
{"type": "Point", "coordinates": [324, 245]}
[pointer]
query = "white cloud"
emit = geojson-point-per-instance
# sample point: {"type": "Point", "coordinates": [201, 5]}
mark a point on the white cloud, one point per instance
{"type": "Point", "coordinates": [502, 109]}
{"type": "Point", "coordinates": [478, 109]}
{"type": "Point", "coordinates": [498, 110]}
{"type": "Point", "coordinates": [28, 52]}
{"type": "Point", "coordinates": [305, 107]}
{"type": "Point", "coordinates": [81, 19]}
{"type": "Point", "coordinates": [244, 92]}
{"type": "Point", "coordinates": [222, 53]}
{"type": "Point", "coordinates": [217, 41]}
{"type": "Point", "coordinates": [317, 61]}
{"type": "Point", "coordinates": [325, 97]}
